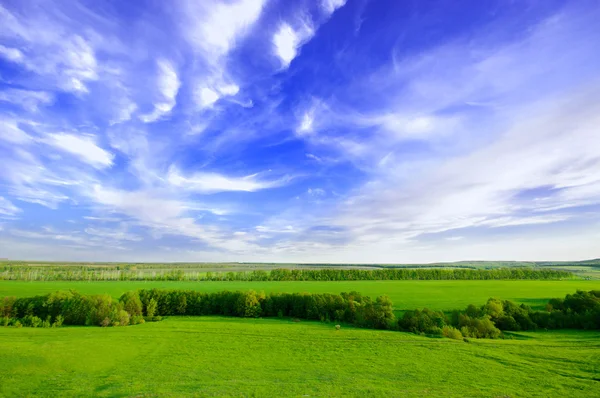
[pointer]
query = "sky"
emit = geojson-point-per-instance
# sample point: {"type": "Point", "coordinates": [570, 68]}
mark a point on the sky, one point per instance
{"type": "Point", "coordinates": [300, 131]}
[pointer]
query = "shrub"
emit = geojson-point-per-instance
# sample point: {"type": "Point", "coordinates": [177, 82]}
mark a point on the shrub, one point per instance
{"type": "Point", "coordinates": [122, 318]}
{"type": "Point", "coordinates": [248, 305]}
{"type": "Point", "coordinates": [452, 333]}
{"type": "Point", "coordinates": [58, 321]}
{"type": "Point", "coordinates": [31, 321]}
{"type": "Point", "coordinates": [478, 327]}
{"type": "Point", "coordinates": [131, 302]}
{"type": "Point", "coordinates": [151, 308]}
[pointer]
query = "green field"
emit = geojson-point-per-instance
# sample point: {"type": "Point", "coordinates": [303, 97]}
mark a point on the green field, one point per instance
{"type": "Point", "coordinates": [406, 295]}
{"type": "Point", "coordinates": [214, 356]}
{"type": "Point", "coordinates": [218, 356]}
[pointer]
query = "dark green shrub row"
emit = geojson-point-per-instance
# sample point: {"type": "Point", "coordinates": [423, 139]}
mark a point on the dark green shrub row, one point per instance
{"type": "Point", "coordinates": [352, 307]}
{"type": "Point", "coordinates": [70, 308]}
{"type": "Point", "coordinates": [576, 311]}
{"type": "Point", "coordinates": [580, 311]}
{"type": "Point", "coordinates": [77, 273]}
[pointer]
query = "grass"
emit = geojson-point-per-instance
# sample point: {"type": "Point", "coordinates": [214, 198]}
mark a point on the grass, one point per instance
{"type": "Point", "coordinates": [215, 356]}
{"type": "Point", "coordinates": [406, 295]}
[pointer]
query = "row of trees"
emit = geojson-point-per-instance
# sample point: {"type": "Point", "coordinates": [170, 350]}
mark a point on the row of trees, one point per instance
{"type": "Point", "coordinates": [72, 308]}
{"type": "Point", "coordinates": [69, 308]}
{"type": "Point", "coordinates": [68, 274]}
{"type": "Point", "coordinates": [576, 311]}
{"type": "Point", "coordinates": [352, 308]}
{"type": "Point", "coordinates": [580, 311]}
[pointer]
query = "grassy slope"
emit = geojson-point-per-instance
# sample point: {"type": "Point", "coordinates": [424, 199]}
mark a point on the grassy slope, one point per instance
{"type": "Point", "coordinates": [438, 295]}
{"type": "Point", "coordinates": [245, 357]}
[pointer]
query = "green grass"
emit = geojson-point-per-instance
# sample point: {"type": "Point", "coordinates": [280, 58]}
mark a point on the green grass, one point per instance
{"type": "Point", "coordinates": [215, 356]}
{"type": "Point", "coordinates": [406, 295]}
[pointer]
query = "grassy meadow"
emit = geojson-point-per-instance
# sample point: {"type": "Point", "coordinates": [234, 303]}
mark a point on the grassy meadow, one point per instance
{"type": "Point", "coordinates": [220, 356]}
{"type": "Point", "coordinates": [406, 295]}
{"type": "Point", "coordinates": [216, 356]}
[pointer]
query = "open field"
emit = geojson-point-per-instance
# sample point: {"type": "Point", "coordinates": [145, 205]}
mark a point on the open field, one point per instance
{"type": "Point", "coordinates": [406, 295]}
{"type": "Point", "coordinates": [215, 356]}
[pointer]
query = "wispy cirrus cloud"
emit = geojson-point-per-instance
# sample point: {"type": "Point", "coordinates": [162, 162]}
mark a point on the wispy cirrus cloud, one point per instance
{"type": "Point", "coordinates": [288, 40]}
{"type": "Point", "coordinates": [7, 208]}
{"type": "Point", "coordinates": [206, 182]}
{"type": "Point", "coordinates": [168, 86]}
{"type": "Point", "coordinates": [83, 147]}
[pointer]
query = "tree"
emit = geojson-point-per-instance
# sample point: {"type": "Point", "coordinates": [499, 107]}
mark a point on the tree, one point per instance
{"type": "Point", "coordinates": [151, 308]}
{"type": "Point", "coordinates": [132, 303]}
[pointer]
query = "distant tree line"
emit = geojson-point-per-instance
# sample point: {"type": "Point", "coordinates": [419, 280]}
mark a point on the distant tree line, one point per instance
{"type": "Point", "coordinates": [577, 311]}
{"type": "Point", "coordinates": [280, 274]}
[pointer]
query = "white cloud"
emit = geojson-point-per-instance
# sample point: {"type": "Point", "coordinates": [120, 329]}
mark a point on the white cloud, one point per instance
{"type": "Point", "coordinates": [329, 6]}
{"type": "Point", "coordinates": [167, 216]}
{"type": "Point", "coordinates": [28, 99]}
{"type": "Point", "coordinates": [83, 147]}
{"type": "Point", "coordinates": [7, 208]}
{"type": "Point", "coordinates": [306, 126]}
{"type": "Point", "coordinates": [288, 229]}
{"type": "Point", "coordinates": [516, 221]}
{"type": "Point", "coordinates": [287, 41]}
{"type": "Point", "coordinates": [214, 26]}
{"type": "Point", "coordinates": [168, 86]}
{"type": "Point", "coordinates": [10, 131]}
{"type": "Point", "coordinates": [207, 97]}
{"type": "Point", "coordinates": [316, 192]}
{"type": "Point", "coordinates": [482, 189]}
{"type": "Point", "coordinates": [11, 54]}
{"type": "Point", "coordinates": [113, 234]}
{"type": "Point", "coordinates": [205, 182]}
{"type": "Point", "coordinates": [65, 60]}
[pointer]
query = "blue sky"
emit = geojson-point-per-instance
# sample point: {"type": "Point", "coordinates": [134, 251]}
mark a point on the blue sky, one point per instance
{"type": "Point", "coordinates": [299, 131]}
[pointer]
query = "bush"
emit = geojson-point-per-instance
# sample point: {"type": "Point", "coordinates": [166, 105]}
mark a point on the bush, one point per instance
{"type": "Point", "coordinates": [31, 321]}
{"type": "Point", "coordinates": [132, 303]}
{"type": "Point", "coordinates": [151, 308]}
{"type": "Point", "coordinates": [58, 321]}
{"type": "Point", "coordinates": [452, 333]}
{"type": "Point", "coordinates": [478, 327]}
{"type": "Point", "coordinates": [122, 318]}
{"type": "Point", "coordinates": [423, 321]}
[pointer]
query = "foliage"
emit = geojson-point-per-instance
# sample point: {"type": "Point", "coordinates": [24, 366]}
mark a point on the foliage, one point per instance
{"type": "Point", "coordinates": [579, 311]}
